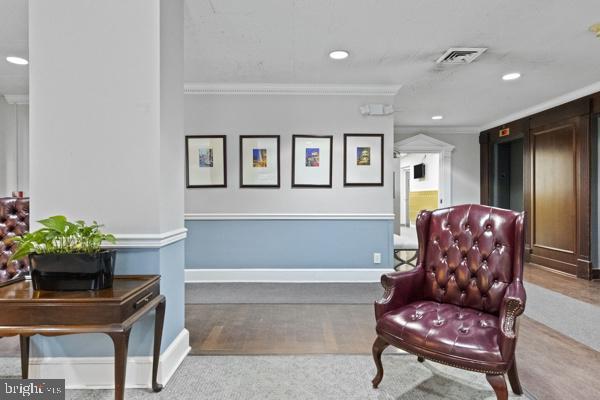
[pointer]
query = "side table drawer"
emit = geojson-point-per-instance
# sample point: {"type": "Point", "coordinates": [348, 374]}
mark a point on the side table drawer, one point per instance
{"type": "Point", "coordinates": [140, 300]}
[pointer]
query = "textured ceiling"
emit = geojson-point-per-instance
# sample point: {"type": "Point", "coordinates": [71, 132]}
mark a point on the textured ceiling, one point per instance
{"type": "Point", "coordinates": [390, 41]}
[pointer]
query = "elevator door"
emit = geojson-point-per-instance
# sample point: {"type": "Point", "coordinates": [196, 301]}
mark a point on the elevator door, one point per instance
{"type": "Point", "coordinates": [507, 175]}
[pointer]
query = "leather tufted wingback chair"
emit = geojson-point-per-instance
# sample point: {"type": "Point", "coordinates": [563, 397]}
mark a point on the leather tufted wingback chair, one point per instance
{"type": "Point", "coordinates": [459, 305]}
{"type": "Point", "coordinates": [14, 221]}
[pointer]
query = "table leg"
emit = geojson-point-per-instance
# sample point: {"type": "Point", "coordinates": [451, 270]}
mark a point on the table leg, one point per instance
{"type": "Point", "coordinates": [24, 356]}
{"type": "Point", "coordinates": [121, 342]}
{"type": "Point", "coordinates": [158, 329]}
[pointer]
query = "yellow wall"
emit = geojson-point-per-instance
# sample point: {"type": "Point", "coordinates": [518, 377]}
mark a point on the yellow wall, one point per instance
{"type": "Point", "coordinates": [423, 200]}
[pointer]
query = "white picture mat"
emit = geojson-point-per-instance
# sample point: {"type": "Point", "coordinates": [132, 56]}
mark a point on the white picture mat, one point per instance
{"type": "Point", "coordinates": [312, 175]}
{"type": "Point", "coordinates": [214, 175]}
{"type": "Point", "coordinates": [262, 175]}
{"type": "Point", "coordinates": [363, 173]}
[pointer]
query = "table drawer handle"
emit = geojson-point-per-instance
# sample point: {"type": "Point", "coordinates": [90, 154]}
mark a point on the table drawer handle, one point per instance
{"type": "Point", "coordinates": [143, 300]}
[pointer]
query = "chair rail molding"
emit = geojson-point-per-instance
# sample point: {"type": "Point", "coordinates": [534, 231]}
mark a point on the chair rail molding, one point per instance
{"type": "Point", "coordinates": [201, 88]}
{"type": "Point", "coordinates": [421, 143]}
{"type": "Point", "coordinates": [147, 240]}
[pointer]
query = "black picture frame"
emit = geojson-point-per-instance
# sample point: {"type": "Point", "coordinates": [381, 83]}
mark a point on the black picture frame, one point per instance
{"type": "Point", "coordinates": [315, 186]}
{"type": "Point", "coordinates": [346, 136]}
{"type": "Point", "coordinates": [187, 161]}
{"type": "Point", "coordinates": [241, 161]}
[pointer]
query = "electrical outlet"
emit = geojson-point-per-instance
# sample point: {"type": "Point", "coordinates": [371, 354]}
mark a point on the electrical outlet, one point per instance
{"type": "Point", "coordinates": [376, 258]}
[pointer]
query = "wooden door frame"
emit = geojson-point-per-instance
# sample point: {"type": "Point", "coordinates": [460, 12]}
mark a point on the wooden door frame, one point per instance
{"type": "Point", "coordinates": [583, 110]}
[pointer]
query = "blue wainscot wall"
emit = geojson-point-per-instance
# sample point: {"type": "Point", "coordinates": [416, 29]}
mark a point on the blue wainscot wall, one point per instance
{"type": "Point", "coordinates": [291, 243]}
{"type": "Point", "coordinates": [167, 261]}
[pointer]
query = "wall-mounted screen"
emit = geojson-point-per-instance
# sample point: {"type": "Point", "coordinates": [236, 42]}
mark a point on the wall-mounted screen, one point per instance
{"type": "Point", "coordinates": [419, 171]}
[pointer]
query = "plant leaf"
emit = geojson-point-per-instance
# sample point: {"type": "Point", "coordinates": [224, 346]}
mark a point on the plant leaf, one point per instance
{"type": "Point", "coordinates": [56, 223]}
{"type": "Point", "coordinates": [23, 250]}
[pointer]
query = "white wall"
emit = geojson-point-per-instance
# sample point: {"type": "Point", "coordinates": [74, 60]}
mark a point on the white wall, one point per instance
{"type": "Point", "coordinates": [94, 143]}
{"type": "Point", "coordinates": [14, 147]}
{"type": "Point", "coordinates": [432, 171]}
{"type": "Point", "coordinates": [171, 115]}
{"type": "Point", "coordinates": [285, 115]}
{"type": "Point", "coordinates": [7, 129]}
{"type": "Point", "coordinates": [465, 164]}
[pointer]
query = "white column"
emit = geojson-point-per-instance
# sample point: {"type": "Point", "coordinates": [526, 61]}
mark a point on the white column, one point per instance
{"type": "Point", "coordinates": [106, 121]}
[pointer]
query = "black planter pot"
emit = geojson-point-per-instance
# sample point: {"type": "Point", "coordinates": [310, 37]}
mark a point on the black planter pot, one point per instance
{"type": "Point", "coordinates": [73, 271]}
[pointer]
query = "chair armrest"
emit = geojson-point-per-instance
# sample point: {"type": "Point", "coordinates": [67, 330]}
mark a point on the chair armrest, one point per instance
{"type": "Point", "coordinates": [401, 288]}
{"type": "Point", "coordinates": [512, 306]}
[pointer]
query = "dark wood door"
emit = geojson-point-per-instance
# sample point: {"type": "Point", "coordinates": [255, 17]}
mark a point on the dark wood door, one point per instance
{"type": "Point", "coordinates": [557, 194]}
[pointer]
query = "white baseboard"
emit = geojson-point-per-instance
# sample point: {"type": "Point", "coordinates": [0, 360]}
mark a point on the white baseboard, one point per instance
{"type": "Point", "coordinates": [98, 372]}
{"type": "Point", "coordinates": [295, 275]}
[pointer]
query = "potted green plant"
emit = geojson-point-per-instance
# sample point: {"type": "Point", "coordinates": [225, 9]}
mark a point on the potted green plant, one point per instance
{"type": "Point", "coordinates": [67, 255]}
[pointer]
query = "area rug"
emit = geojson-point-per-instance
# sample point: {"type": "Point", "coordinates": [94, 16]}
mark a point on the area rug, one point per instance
{"type": "Point", "coordinates": [323, 377]}
{"type": "Point", "coordinates": [282, 293]}
{"type": "Point", "coordinates": [569, 316]}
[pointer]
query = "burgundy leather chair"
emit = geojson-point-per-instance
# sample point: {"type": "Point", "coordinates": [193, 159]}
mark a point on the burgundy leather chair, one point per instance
{"type": "Point", "coordinates": [460, 304]}
{"type": "Point", "coordinates": [14, 221]}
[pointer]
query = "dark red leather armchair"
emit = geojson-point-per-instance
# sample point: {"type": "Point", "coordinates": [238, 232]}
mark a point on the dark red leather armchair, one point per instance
{"type": "Point", "coordinates": [14, 221]}
{"type": "Point", "coordinates": [459, 305]}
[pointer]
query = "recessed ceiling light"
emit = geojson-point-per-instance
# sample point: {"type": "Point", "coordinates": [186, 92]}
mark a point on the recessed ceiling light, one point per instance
{"type": "Point", "coordinates": [436, 117]}
{"type": "Point", "coordinates": [17, 60]}
{"type": "Point", "coordinates": [511, 77]}
{"type": "Point", "coordinates": [339, 54]}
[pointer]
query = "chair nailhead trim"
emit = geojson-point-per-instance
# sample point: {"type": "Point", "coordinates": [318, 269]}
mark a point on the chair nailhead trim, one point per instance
{"type": "Point", "coordinates": [484, 371]}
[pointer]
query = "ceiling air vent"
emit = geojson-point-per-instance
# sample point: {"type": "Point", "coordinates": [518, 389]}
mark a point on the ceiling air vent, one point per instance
{"type": "Point", "coordinates": [460, 55]}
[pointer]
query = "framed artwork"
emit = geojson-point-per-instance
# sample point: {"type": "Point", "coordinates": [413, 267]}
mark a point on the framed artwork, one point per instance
{"type": "Point", "coordinates": [363, 159]}
{"type": "Point", "coordinates": [206, 161]}
{"type": "Point", "coordinates": [259, 161]}
{"type": "Point", "coordinates": [311, 161]}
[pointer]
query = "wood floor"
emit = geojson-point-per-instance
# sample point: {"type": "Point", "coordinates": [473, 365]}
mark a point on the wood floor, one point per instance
{"type": "Point", "coordinates": [280, 328]}
{"type": "Point", "coordinates": [554, 366]}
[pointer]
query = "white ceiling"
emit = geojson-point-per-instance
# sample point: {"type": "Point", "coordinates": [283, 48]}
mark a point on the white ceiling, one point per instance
{"type": "Point", "coordinates": [390, 41]}
{"type": "Point", "coordinates": [13, 41]}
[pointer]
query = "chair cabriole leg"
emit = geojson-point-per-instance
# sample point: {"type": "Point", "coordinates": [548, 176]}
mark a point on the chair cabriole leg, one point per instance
{"type": "Point", "coordinates": [498, 383]}
{"type": "Point", "coordinates": [378, 347]}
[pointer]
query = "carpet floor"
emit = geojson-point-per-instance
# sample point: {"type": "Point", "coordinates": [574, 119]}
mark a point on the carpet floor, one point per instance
{"type": "Point", "coordinates": [323, 377]}
{"type": "Point", "coordinates": [282, 293]}
{"type": "Point", "coordinates": [569, 316]}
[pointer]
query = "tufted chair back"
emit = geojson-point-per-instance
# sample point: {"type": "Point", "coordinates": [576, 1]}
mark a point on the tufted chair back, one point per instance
{"type": "Point", "coordinates": [470, 254]}
{"type": "Point", "coordinates": [14, 221]}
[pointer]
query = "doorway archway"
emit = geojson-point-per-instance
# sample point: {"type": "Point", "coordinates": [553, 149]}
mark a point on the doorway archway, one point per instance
{"type": "Point", "coordinates": [421, 143]}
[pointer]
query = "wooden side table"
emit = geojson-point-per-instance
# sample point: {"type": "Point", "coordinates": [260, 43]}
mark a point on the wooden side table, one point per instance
{"type": "Point", "coordinates": [27, 312]}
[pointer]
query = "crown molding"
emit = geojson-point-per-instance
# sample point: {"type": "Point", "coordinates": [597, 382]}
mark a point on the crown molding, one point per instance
{"type": "Point", "coordinates": [17, 98]}
{"type": "Point", "coordinates": [270, 216]}
{"type": "Point", "coordinates": [147, 240]}
{"type": "Point", "coordinates": [435, 130]}
{"type": "Point", "coordinates": [557, 101]}
{"type": "Point", "coordinates": [290, 89]}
